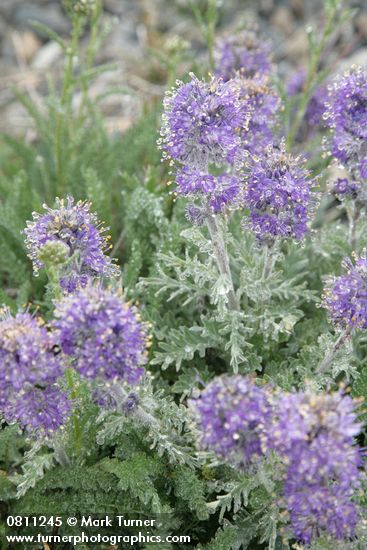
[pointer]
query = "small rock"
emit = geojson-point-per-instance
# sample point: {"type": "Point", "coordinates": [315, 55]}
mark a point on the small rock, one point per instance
{"type": "Point", "coordinates": [297, 46]}
{"type": "Point", "coordinates": [25, 44]}
{"type": "Point", "coordinates": [361, 23]}
{"type": "Point", "coordinates": [47, 55]}
{"type": "Point", "coordinates": [283, 20]}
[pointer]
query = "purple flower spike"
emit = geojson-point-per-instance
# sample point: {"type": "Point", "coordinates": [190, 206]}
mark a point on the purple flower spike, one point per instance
{"type": "Point", "coordinates": [77, 227]}
{"type": "Point", "coordinates": [220, 191]}
{"type": "Point", "coordinates": [346, 114]}
{"type": "Point", "coordinates": [231, 413]}
{"type": "Point", "coordinates": [278, 196]}
{"type": "Point", "coordinates": [343, 188]}
{"type": "Point", "coordinates": [26, 353]}
{"type": "Point", "coordinates": [102, 334]}
{"type": "Point", "coordinates": [201, 123]}
{"type": "Point", "coordinates": [41, 412]}
{"type": "Point", "coordinates": [315, 435]}
{"type": "Point", "coordinates": [244, 53]}
{"type": "Point", "coordinates": [28, 371]}
{"type": "Point", "coordinates": [345, 297]}
{"type": "Point", "coordinates": [263, 103]}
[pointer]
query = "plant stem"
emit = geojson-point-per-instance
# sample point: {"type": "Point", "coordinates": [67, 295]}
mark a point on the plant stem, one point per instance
{"type": "Point", "coordinates": [221, 256]}
{"type": "Point", "coordinates": [315, 56]}
{"type": "Point", "coordinates": [91, 52]}
{"type": "Point", "coordinates": [268, 262]}
{"type": "Point", "coordinates": [62, 118]}
{"type": "Point", "coordinates": [353, 216]}
{"type": "Point", "coordinates": [77, 429]}
{"type": "Point", "coordinates": [333, 352]}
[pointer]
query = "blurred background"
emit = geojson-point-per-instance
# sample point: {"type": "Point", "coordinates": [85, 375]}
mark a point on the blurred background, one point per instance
{"type": "Point", "coordinates": [141, 38]}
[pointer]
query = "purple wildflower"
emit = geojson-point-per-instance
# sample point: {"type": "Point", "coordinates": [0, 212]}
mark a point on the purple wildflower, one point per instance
{"type": "Point", "coordinates": [344, 188]}
{"type": "Point", "coordinates": [263, 103]}
{"type": "Point", "coordinates": [201, 123]}
{"type": "Point", "coordinates": [346, 115]}
{"type": "Point", "coordinates": [345, 297]}
{"type": "Point", "coordinates": [40, 411]}
{"type": "Point", "coordinates": [77, 227]}
{"type": "Point", "coordinates": [244, 53]}
{"type": "Point", "coordinates": [28, 370]}
{"type": "Point", "coordinates": [102, 334]}
{"type": "Point", "coordinates": [219, 190]}
{"type": "Point", "coordinates": [315, 435]}
{"type": "Point", "coordinates": [231, 413]}
{"type": "Point", "coordinates": [278, 195]}
{"type": "Point", "coordinates": [26, 353]}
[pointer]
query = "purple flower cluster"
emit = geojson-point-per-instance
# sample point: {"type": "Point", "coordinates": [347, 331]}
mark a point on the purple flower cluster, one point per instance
{"type": "Point", "coordinates": [244, 53]}
{"type": "Point", "coordinates": [102, 334]}
{"type": "Point", "coordinates": [278, 195]}
{"type": "Point", "coordinates": [74, 225]}
{"type": "Point", "coordinates": [221, 190]}
{"type": "Point", "coordinates": [346, 114]}
{"type": "Point", "coordinates": [262, 102]}
{"type": "Point", "coordinates": [345, 297]}
{"type": "Point", "coordinates": [201, 123]}
{"type": "Point", "coordinates": [231, 413]}
{"type": "Point", "coordinates": [29, 370]}
{"type": "Point", "coordinates": [315, 435]}
{"type": "Point", "coordinates": [202, 129]}
{"type": "Point", "coordinates": [344, 188]}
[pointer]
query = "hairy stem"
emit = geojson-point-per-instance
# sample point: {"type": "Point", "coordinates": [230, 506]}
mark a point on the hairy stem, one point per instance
{"type": "Point", "coordinates": [73, 393]}
{"type": "Point", "coordinates": [221, 257]}
{"type": "Point", "coordinates": [65, 102]}
{"type": "Point", "coordinates": [353, 216]}
{"type": "Point", "coordinates": [333, 352]}
{"type": "Point", "coordinates": [268, 262]}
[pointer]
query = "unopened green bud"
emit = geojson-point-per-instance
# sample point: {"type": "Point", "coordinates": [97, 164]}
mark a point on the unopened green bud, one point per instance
{"type": "Point", "coordinates": [79, 7]}
{"type": "Point", "coordinates": [54, 253]}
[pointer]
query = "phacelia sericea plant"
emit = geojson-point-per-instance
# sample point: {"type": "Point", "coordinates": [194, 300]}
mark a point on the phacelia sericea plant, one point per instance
{"type": "Point", "coordinates": [278, 195]}
{"type": "Point", "coordinates": [345, 297]}
{"type": "Point", "coordinates": [245, 54]}
{"type": "Point", "coordinates": [29, 371]}
{"type": "Point", "coordinates": [102, 334]}
{"type": "Point", "coordinates": [313, 435]}
{"type": "Point", "coordinates": [80, 238]}
{"type": "Point", "coordinates": [346, 114]}
{"type": "Point", "coordinates": [232, 413]}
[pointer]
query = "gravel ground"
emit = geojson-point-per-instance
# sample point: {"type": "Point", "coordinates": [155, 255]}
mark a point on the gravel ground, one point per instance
{"type": "Point", "coordinates": [137, 26]}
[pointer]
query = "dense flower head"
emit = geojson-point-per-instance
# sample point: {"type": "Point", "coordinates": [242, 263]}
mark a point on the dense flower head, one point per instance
{"type": "Point", "coordinates": [346, 114]}
{"type": "Point", "coordinates": [345, 297]}
{"type": "Point", "coordinates": [231, 414]}
{"type": "Point", "coordinates": [314, 115]}
{"type": "Point", "coordinates": [74, 225]}
{"type": "Point", "coordinates": [245, 53]}
{"type": "Point", "coordinates": [262, 102]}
{"type": "Point", "coordinates": [28, 370]}
{"type": "Point", "coordinates": [315, 436]}
{"type": "Point", "coordinates": [278, 195]}
{"type": "Point", "coordinates": [102, 334]}
{"type": "Point", "coordinates": [345, 188]}
{"type": "Point", "coordinates": [26, 352]}
{"type": "Point", "coordinates": [40, 411]}
{"type": "Point", "coordinates": [201, 123]}
{"type": "Point", "coordinates": [221, 190]}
